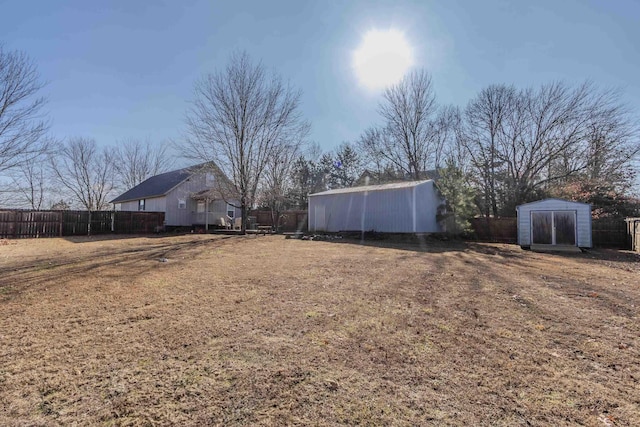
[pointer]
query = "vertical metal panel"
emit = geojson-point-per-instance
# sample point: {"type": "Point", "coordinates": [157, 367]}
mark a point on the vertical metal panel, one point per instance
{"type": "Point", "coordinates": [394, 210]}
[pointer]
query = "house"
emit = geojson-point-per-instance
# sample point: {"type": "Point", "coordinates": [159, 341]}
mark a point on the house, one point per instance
{"type": "Point", "coordinates": [195, 195]}
{"type": "Point", "coordinates": [554, 224]}
{"type": "Point", "coordinates": [402, 207]}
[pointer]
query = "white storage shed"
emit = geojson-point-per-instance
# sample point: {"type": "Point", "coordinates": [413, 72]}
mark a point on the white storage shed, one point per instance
{"type": "Point", "coordinates": [404, 207]}
{"type": "Point", "coordinates": [554, 222]}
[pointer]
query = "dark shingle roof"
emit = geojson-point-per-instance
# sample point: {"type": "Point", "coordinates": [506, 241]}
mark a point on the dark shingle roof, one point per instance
{"type": "Point", "coordinates": [155, 186]}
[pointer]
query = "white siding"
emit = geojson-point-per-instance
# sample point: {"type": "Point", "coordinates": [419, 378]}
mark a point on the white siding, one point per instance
{"type": "Point", "coordinates": [410, 209]}
{"type": "Point", "coordinates": [156, 204]}
{"type": "Point", "coordinates": [184, 217]}
{"type": "Point", "coordinates": [583, 219]}
{"type": "Point", "coordinates": [129, 206]}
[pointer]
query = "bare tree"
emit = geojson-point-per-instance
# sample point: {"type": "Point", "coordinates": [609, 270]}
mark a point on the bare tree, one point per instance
{"type": "Point", "coordinates": [21, 119]}
{"type": "Point", "coordinates": [238, 119]}
{"type": "Point", "coordinates": [136, 160]}
{"type": "Point", "coordinates": [485, 118]}
{"type": "Point", "coordinates": [524, 143]}
{"type": "Point", "coordinates": [31, 182]}
{"type": "Point", "coordinates": [277, 183]}
{"type": "Point", "coordinates": [86, 172]}
{"type": "Point", "coordinates": [415, 130]}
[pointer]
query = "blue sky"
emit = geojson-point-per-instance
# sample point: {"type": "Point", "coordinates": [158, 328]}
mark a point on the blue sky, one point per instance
{"type": "Point", "coordinates": [126, 69]}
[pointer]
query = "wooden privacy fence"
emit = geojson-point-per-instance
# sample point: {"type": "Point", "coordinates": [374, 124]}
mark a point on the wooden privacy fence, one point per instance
{"type": "Point", "coordinates": [26, 223]}
{"type": "Point", "coordinates": [497, 230]}
{"type": "Point", "coordinates": [609, 233]}
{"type": "Point", "coordinates": [289, 220]}
{"type": "Point", "coordinates": [605, 232]}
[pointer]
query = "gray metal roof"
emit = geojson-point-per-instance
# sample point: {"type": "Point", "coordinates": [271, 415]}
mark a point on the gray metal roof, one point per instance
{"type": "Point", "coordinates": [552, 198]}
{"type": "Point", "coordinates": [156, 186]}
{"type": "Point", "coordinates": [364, 188]}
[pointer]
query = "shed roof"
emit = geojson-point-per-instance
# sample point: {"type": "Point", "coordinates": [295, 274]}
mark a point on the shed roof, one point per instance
{"type": "Point", "coordinates": [366, 188]}
{"type": "Point", "coordinates": [549, 199]}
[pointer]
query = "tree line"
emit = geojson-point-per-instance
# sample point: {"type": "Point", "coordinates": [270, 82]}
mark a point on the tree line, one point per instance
{"type": "Point", "coordinates": [507, 146]}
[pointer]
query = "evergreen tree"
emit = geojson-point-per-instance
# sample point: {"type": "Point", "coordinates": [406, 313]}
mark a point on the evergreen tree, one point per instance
{"type": "Point", "coordinates": [459, 195]}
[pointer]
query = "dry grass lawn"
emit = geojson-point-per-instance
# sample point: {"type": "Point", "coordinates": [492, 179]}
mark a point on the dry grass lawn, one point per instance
{"type": "Point", "coordinates": [268, 331]}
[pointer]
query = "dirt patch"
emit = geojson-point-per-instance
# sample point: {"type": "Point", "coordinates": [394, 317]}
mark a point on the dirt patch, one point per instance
{"type": "Point", "coordinates": [219, 330]}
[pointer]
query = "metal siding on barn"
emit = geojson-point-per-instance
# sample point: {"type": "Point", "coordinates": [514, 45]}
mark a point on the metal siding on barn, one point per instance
{"type": "Point", "coordinates": [583, 219]}
{"type": "Point", "coordinates": [404, 208]}
{"type": "Point", "coordinates": [427, 202]}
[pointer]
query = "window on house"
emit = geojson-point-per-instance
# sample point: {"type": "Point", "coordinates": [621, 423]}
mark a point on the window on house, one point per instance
{"type": "Point", "coordinates": [210, 179]}
{"type": "Point", "coordinates": [231, 211]}
{"type": "Point", "coordinates": [141, 204]}
{"type": "Point", "coordinates": [200, 207]}
{"type": "Point", "coordinates": [182, 204]}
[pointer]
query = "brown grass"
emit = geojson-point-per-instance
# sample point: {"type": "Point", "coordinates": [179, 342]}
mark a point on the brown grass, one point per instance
{"type": "Point", "coordinates": [268, 331]}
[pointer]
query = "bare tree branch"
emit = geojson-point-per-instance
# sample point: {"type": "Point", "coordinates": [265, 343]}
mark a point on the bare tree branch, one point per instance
{"type": "Point", "coordinates": [85, 171]}
{"type": "Point", "coordinates": [136, 160]}
{"type": "Point", "coordinates": [238, 119]}
{"type": "Point", "coordinates": [21, 119]}
{"type": "Point", "coordinates": [525, 143]}
{"type": "Point", "coordinates": [415, 131]}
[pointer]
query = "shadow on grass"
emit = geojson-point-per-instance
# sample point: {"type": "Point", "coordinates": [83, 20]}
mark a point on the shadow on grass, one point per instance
{"type": "Point", "coordinates": [425, 244]}
{"type": "Point", "coordinates": [611, 255]}
{"type": "Point", "coordinates": [127, 258]}
{"type": "Point", "coordinates": [107, 237]}
{"type": "Point", "coordinates": [437, 244]}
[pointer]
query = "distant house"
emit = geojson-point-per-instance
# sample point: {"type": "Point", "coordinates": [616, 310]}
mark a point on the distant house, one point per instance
{"type": "Point", "coordinates": [402, 207]}
{"type": "Point", "coordinates": [189, 196]}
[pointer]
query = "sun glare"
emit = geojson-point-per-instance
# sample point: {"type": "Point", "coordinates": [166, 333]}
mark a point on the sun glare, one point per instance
{"type": "Point", "coordinates": [382, 58]}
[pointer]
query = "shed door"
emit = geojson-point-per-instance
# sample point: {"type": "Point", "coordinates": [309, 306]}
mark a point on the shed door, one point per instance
{"type": "Point", "coordinates": [542, 228]}
{"type": "Point", "coordinates": [564, 224]}
{"type": "Point", "coordinates": [553, 228]}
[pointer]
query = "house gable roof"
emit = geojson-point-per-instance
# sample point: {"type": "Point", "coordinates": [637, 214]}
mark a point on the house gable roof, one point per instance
{"type": "Point", "coordinates": [155, 186]}
{"type": "Point", "coordinates": [381, 187]}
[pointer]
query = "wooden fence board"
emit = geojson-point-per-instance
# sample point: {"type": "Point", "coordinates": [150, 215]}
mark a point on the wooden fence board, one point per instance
{"type": "Point", "coordinates": [497, 230]}
{"type": "Point", "coordinates": [609, 233]}
{"type": "Point", "coordinates": [289, 220]}
{"type": "Point", "coordinates": [606, 232]}
{"type": "Point", "coordinates": [30, 224]}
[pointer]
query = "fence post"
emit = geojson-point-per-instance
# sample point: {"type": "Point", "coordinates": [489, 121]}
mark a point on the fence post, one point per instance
{"type": "Point", "coordinates": [15, 224]}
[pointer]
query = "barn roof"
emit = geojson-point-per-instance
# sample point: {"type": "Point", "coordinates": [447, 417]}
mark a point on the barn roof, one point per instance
{"type": "Point", "coordinates": [366, 188]}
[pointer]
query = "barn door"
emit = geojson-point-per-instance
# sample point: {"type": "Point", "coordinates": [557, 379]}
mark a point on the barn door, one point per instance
{"type": "Point", "coordinates": [553, 228]}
